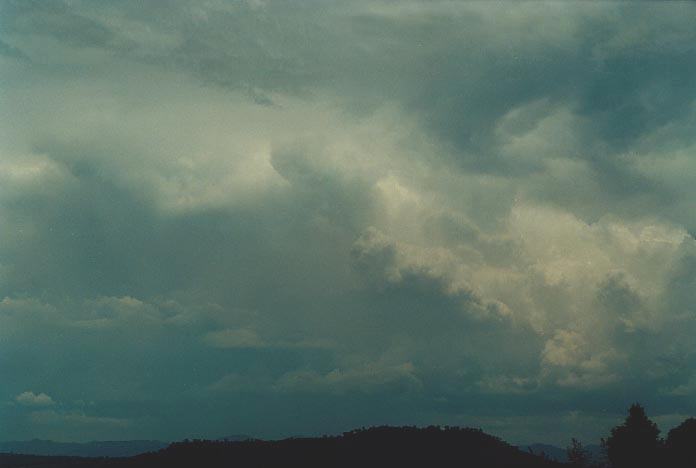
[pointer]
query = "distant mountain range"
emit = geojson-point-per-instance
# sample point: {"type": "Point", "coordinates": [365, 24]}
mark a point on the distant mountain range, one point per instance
{"type": "Point", "coordinates": [122, 448]}
{"type": "Point", "coordinates": [559, 454]}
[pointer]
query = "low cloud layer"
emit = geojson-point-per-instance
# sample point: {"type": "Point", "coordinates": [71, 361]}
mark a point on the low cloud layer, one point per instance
{"type": "Point", "coordinates": [279, 219]}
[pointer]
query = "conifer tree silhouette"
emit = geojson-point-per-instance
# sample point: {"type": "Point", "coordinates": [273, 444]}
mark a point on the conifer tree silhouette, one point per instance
{"type": "Point", "coordinates": [635, 443]}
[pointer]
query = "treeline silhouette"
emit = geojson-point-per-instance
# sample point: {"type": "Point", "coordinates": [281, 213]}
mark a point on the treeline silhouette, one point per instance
{"type": "Point", "coordinates": [635, 443]}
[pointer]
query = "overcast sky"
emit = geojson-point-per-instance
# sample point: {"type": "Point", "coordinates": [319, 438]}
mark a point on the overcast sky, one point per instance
{"type": "Point", "coordinates": [283, 218]}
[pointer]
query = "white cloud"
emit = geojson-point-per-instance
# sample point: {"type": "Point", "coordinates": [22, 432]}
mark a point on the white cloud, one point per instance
{"type": "Point", "coordinates": [30, 398]}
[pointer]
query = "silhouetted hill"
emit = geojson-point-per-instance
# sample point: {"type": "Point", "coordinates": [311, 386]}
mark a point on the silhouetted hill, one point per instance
{"type": "Point", "coordinates": [431, 447]}
{"type": "Point", "coordinates": [125, 448]}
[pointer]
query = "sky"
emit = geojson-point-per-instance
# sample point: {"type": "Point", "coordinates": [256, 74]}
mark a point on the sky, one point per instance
{"type": "Point", "coordinates": [285, 218]}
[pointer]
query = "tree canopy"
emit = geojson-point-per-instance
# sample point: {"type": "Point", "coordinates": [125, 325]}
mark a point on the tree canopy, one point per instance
{"type": "Point", "coordinates": [635, 443]}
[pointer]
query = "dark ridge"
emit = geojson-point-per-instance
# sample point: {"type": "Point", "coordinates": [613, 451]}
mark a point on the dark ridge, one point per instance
{"type": "Point", "coordinates": [384, 446]}
{"type": "Point", "coordinates": [378, 446]}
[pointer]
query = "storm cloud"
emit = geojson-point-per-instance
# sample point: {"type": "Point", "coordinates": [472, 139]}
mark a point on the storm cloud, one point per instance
{"type": "Point", "coordinates": [281, 218]}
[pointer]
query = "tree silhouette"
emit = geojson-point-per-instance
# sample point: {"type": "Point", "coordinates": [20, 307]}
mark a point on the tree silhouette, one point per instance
{"type": "Point", "coordinates": [578, 457]}
{"type": "Point", "coordinates": [635, 443]}
{"type": "Point", "coordinates": [681, 444]}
